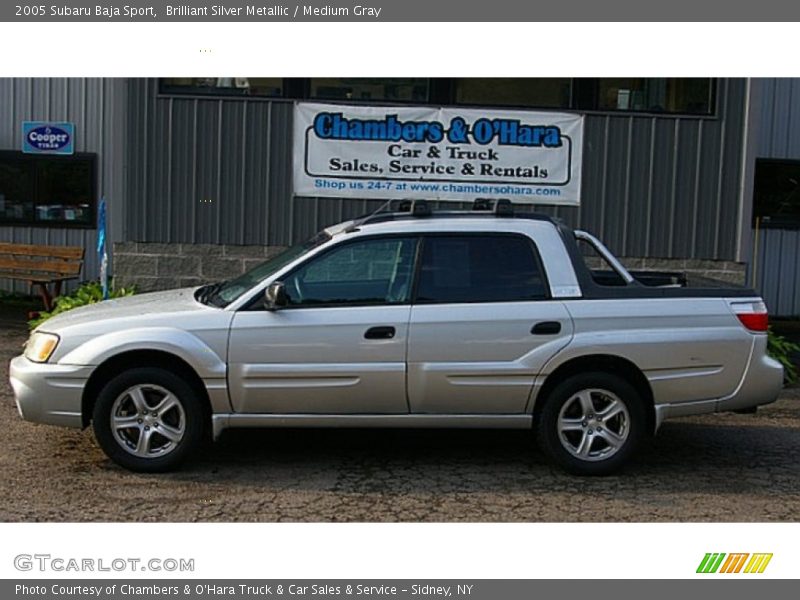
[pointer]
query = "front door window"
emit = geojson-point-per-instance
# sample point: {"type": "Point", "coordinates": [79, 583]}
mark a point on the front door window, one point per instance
{"type": "Point", "coordinates": [365, 272]}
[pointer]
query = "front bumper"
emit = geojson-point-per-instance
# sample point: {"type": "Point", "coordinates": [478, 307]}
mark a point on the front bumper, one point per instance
{"type": "Point", "coordinates": [761, 384]}
{"type": "Point", "coordinates": [48, 393]}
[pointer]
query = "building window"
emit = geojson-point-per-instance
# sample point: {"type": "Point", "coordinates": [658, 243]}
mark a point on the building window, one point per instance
{"type": "Point", "coordinates": [681, 96]}
{"type": "Point", "coordinates": [515, 91]}
{"type": "Point", "coordinates": [655, 95]}
{"type": "Point", "coordinates": [377, 89]}
{"type": "Point", "coordinates": [776, 194]}
{"type": "Point", "coordinates": [229, 86]}
{"type": "Point", "coordinates": [47, 190]}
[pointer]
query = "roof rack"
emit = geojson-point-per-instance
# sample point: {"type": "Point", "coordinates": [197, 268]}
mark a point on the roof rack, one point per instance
{"type": "Point", "coordinates": [421, 208]}
{"type": "Point", "coordinates": [412, 209]}
{"type": "Point", "coordinates": [501, 207]}
{"type": "Point", "coordinates": [417, 208]}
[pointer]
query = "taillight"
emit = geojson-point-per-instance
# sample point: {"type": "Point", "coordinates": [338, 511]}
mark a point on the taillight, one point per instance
{"type": "Point", "coordinates": [753, 315]}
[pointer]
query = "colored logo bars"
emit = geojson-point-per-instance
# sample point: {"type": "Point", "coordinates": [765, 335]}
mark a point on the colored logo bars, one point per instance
{"type": "Point", "coordinates": [718, 563]}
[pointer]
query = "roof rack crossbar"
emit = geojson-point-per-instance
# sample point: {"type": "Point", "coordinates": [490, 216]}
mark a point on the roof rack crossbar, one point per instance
{"type": "Point", "coordinates": [501, 207]}
{"type": "Point", "coordinates": [417, 208]}
{"type": "Point", "coordinates": [411, 209]}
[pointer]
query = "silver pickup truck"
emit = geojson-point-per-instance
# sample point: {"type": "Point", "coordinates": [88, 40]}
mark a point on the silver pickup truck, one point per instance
{"type": "Point", "coordinates": [407, 318]}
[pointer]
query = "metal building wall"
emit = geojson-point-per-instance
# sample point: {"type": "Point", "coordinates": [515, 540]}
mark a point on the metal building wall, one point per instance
{"type": "Point", "coordinates": [96, 107]}
{"type": "Point", "coordinates": [779, 119]}
{"type": "Point", "coordinates": [219, 170]}
{"type": "Point", "coordinates": [776, 274]}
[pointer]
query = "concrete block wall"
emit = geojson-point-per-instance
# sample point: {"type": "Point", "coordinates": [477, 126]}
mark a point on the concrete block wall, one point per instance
{"type": "Point", "coordinates": [152, 266]}
{"type": "Point", "coordinates": [723, 270]}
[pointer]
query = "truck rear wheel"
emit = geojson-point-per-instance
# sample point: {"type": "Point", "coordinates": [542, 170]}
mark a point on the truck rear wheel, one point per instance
{"type": "Point", "coordinates": [590, 424]}
{"type": "Point", "coordinates": [148, 420]}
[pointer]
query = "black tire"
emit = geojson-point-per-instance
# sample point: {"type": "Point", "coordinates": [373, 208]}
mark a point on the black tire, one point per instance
{"type": "Point", "coordinates": [159, 454]}
{"type": "Point", "coordinates": [591, 449]}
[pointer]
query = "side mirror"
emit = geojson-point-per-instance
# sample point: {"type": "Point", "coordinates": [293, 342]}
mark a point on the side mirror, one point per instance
{"type": "Point", "coordinates": [275, 296]}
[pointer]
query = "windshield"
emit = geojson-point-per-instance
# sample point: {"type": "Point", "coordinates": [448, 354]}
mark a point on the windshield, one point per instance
{"type": "Point", "coordinates": [228, 291]}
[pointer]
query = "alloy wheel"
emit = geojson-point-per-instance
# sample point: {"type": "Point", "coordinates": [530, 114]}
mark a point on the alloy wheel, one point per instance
{"type": "Point", "coordinates": [148, 421]}
{"type": "Point", "coordinates": [593, 424]}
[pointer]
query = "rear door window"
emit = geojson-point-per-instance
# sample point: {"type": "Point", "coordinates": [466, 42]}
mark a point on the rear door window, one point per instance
{"type": "Point", "coordinates": [479, 268]}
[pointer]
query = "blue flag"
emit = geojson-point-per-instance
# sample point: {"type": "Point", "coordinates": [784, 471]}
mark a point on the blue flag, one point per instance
{"type": "Point", "coordinates": [102, 252]}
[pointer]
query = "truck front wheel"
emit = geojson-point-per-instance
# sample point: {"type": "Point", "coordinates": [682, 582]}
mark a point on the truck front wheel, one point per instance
{"type": "Point", "coordinates": [148, 419]}
{"type": "Point", "coordinates": [590, 424]}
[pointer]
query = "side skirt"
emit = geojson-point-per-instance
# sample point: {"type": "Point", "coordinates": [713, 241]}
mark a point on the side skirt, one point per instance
{"type": "Point", "coordinates": [220, 422]}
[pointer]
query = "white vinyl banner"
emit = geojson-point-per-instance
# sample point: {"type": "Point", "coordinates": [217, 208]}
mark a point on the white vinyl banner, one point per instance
{"type": "Point", "coordinates": [437, 153]}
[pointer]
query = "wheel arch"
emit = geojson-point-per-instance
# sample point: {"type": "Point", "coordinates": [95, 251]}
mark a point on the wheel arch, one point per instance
{"type": "Point", "coordinates": [606, 363]}
{"type": "Point", "coordinates": [139, 358]}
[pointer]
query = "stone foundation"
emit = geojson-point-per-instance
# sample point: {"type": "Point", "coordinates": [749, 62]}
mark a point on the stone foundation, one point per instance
{"type": "Point", "coordinates": [151, 266]}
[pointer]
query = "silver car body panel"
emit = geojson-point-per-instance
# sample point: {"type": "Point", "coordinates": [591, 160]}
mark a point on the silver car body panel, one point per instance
{"type": "Point", "coordinates": [463, 358]}
{"type": "Point", "coordinates": [48, 393]}
{"type": "Point", "coordinates": [172, 322]}
{"type": "Point", "coordinates": [480, 358]}
{"type": "Point", "coordinates": [760, 384]}
{"type": "Point", "coordinates": [317, 360]}
{"type": "Point", "coordinates": [686, 355]}
{"type": "Point", "coordinates": [221, 422]}
{"type": "Point", "coordinates": [457, 365]}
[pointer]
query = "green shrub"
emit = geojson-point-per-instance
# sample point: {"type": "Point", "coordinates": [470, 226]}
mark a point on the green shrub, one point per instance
{"type": "Point", "coordinates": [782, 350]}
{"type": "Point", "coordinates": [87, 293]}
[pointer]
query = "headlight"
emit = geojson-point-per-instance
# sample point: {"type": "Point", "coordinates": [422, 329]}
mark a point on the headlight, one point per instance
{"type": "Point", "coordinates": [40, 346]}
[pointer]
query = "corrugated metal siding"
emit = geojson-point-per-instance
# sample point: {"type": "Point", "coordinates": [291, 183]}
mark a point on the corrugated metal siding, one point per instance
{"type": "Point", "coordinates": [653, 186]}
{"type": "Point", "coordinates": [779, 125]}
{"type": "Point", "coordinates": [778, 251]}
{"type": "Point", "coordinates": [777, 277]}
{"type": "Point", "coordinates": [96, 107]}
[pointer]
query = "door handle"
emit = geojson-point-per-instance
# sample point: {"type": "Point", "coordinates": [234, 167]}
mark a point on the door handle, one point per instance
{"type": "Point", "coordinates": [546, 328]}
{"type": "Point", "coordinates": [379, 333]}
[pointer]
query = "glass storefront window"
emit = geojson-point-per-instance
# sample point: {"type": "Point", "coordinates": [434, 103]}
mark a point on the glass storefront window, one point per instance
{"type": "Point", "coordinates": [691, 96]}
{"type": "Point", "coordinates": [667, 95]}
{"type": "Point", "coordinates": [16, 191]}
{"type": "Point", "coordinates": [47, 190]}
{"type": "Point", "coordinates": [236, 86]}
{"type": "Point", "coordinates": [365, 89]}
{"type": "Point", "coordinates": [515, 91]}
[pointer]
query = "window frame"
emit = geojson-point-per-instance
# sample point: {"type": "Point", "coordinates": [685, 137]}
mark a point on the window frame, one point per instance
{"type": "Point", "coordinates": [792, 220]}
{"type": "Point", "coordinates": [181, 91]}
{"type": "Point", "coordinates": [91, 157]}
{"type": "Point", "coordinates": [458, 234]}
{"type": "Point", "coordinates": [307, 95]}
{"type": "Point", "coordinates": [453, 93]}
{"type": "Point", "coordinates": [586, 99]}
{"type": "Point", "coordinates": [255, 303]}
{"type": "Point", "coordinates": [415, 238]}
{"type": "Point", "coordinates": [442, 93]}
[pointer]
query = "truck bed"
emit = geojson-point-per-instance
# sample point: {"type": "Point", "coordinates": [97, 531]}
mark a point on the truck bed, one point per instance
{"type": "Point", "coordinates": [659, 279]}
{"type": "Point", "coordinates": [671, 284]}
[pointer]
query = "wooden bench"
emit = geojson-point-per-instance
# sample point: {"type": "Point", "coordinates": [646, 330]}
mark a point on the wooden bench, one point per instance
{"type": "Point", "coordinates": [41, 266]}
